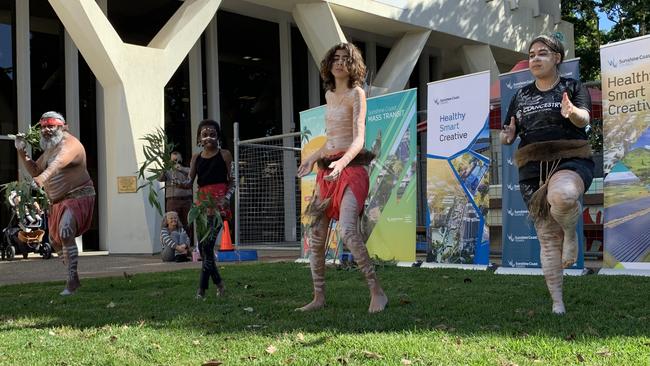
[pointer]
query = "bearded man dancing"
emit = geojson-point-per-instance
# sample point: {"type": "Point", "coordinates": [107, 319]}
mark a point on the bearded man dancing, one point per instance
{"type": "Point", "coordinates": [61, 171]}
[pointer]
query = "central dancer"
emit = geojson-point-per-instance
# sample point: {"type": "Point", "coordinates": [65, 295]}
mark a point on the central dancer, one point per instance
{"type": "Point", "coordinates": [342, 181]}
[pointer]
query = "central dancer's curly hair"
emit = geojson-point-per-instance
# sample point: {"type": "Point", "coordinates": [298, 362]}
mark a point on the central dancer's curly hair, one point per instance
{"type": "Point", "coordinates": [355, 65]}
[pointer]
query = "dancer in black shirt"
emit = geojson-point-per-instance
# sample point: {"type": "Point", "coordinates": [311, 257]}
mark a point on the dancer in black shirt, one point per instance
{"type": "Point", "coordinates": [553, 157]}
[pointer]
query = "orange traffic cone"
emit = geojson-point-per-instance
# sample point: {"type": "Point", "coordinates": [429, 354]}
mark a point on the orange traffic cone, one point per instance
{"type": "Point", "coordinates": [226, 242]}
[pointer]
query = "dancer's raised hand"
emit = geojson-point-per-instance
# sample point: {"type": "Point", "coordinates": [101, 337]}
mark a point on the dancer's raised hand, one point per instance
{"type": "Point", "coordinates": [567, 106]}
{"type": "Point", "coordinates": [508, 132]}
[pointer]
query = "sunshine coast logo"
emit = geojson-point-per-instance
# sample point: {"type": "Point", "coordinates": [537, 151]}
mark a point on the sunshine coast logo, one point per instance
{"type": "Point", "coordinates": [517, 213]}
{"type": "Point", "coordinates": [628, 61]}
{"type": "Point", "coordinates": [446, 99]}
{"type": "Point", "coordinates": [612, 62]}
{"type": "Point", "coordinates": [509, 85]}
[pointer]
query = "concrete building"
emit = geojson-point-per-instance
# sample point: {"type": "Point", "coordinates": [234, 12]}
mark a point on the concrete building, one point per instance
{"type": "Point", "coordinates": [118, 69]}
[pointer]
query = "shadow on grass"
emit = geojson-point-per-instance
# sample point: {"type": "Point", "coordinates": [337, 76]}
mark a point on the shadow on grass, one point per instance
{"type": "Point", "coordinates": [262, 298]}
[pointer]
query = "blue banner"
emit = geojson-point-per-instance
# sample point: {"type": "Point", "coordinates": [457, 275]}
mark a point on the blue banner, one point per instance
{"type": "Point", "coordinates": [520, 244]}
{"type": "Point", "coordinates": [458, 163]}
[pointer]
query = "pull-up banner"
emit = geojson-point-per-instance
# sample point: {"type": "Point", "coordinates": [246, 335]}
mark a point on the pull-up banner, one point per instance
{"type": "Point", "coordinates": [458, 150]}
{"type": "Point", "coordinates": [388, 221]}
{"type": "Point", "coordinates": [520, 244]}
{"type": "Point", "coordinates": [625, 75]}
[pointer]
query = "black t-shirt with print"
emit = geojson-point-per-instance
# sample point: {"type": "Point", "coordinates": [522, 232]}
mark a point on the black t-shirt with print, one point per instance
{"type": "Point", "coordinates": [538, 118]}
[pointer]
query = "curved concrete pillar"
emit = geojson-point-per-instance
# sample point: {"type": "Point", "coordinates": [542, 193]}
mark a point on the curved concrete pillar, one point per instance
{"type": "Point", "coordinates": [477, 58]}
{"type": "Point", "coordinates": [133, 78]}
{"type": "Point", "coordinates": [318, 27]}
{"type": "Point", "coordinates": [402, 58]}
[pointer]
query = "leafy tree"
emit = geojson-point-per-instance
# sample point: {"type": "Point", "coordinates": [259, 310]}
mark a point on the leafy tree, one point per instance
{"type": "Point", "coordinates": [587, 36]}
{"type": "Point", "coordinates": [630, 18]}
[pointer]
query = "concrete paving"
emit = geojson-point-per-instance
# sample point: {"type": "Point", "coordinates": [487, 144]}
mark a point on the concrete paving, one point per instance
{"type": "Point", "coordinates": [101, 264]}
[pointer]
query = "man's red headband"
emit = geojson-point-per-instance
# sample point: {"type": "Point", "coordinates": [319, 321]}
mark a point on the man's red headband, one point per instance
{"type": "Point", "coordinates": [51, 122]}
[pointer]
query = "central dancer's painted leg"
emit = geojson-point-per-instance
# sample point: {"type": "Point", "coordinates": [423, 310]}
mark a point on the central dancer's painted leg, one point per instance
{"type": "Point", "coordinates": [564, 190]}
{"type": "Point", "coordinates": [550, 237]}
{"type": "Point", "coordinates": [67, 233]}
{"type": "Point", "coordinates": [352, 238]}
{"type": "Point", "coordinates": [317, 250]}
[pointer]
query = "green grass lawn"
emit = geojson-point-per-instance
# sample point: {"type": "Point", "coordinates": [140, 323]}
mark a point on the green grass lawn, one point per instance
{"type": "Point", "coordinates": [435, 317]}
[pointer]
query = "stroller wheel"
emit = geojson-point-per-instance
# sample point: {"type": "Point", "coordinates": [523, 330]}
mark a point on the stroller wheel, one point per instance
{"type": "Point", "coordinates": [47, 251]}
{"type": "Point", "coordinates": [10, 252]}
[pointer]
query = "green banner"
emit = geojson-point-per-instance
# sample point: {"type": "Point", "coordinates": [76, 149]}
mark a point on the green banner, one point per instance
{"type": "Point", "coordinates": [389, 216]}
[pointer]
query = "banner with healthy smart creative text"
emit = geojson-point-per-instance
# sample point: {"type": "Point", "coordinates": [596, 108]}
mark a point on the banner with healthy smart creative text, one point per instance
{"type": "Point", "coordinates": [519, 239]}
{"type": "Point", "coordinates": [625, 75]}
{"type": "Point", "coordinates": [458, 150]}
{"type": "Point", "coordinates": [388, 221]}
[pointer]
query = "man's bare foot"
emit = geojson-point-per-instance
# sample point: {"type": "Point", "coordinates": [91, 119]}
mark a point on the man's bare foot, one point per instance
{"type": "Point", "coordinates": [378, 301]}
{"type": "Point", "coordinates": [317, 303]}
{"type": "Point", "coordinates": [569, 250]}
{"type": "Point", "coordinates": [71, 286]}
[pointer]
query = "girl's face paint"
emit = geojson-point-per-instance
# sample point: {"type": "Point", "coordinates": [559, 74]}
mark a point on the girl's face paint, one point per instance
{"type": "Point", "coordinates": [542, 60]}
{"type": "Point", "coordinates": [208, 136]}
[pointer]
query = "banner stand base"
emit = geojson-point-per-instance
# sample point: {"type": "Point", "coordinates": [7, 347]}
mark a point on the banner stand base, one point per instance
{"type": "Point", "coordinates": [624, 272]}
{"type": "Point", "coordinates": [473, 267]}
{"type": "Point", "coordinates": [537, 271]}
{"type": "Point", "coordinates": [407, 264]}
{"type": "Point", "coordinates": [327, 261]}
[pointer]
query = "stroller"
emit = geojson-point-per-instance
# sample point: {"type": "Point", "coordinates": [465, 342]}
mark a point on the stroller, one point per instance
{"type": "Point", "coordinates": [24, 235]}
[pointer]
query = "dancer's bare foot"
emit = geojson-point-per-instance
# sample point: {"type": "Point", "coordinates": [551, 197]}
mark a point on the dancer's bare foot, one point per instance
{"type": "Point", "coordinates": [221, 289]}
{"type": "Point", "coordinates": [71, 286]}
{"type": "Point", "coordinates": [378, 301]}
{"type": "Point", "coordinates": [569, 249]}
{"type": "Point", "coordinates": [317, 303]}
{"type": "Point", "coordinates": [558, 308]}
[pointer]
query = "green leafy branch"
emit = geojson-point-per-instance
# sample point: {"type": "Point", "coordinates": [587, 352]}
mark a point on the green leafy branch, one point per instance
{"type": "Point", "coordinates": [205, 215]}
{"type": "Point", "coordinates": [32, 137]}
{"type": "Point", "coordinates": [157, 152]}
{"type": "Point", "coordinates": [28, 195]}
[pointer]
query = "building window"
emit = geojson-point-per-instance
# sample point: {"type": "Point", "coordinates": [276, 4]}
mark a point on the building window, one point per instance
{"type": "Point", "coordinates": [178, 126]}
{"type": "Point", "coordinates": [88, 137]}
{"type": "Point", "coordinates": [382, 55]}
{"type": "Point", "coordinates": [249, 75]}
{"type": "Point", "coordinates": [46, 57]}
{"type": "Point", "coordinates": [8, 159]}
{"type": "Point", "coordinates": [300, 75]}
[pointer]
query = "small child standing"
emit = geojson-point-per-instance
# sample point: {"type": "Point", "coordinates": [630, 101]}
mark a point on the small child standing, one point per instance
{"type": "Point", "coordinates": [212, 169]}
{"type": "Point", "coordinates": [173, 239]}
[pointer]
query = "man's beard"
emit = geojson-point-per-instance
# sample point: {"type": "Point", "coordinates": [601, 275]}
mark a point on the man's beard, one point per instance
{"type": "Point", "coordinates": [49, 143]}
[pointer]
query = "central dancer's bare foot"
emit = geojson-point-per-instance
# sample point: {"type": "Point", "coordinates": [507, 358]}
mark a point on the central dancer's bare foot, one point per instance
{"type": "Point", "coordinates": [317, 303]}
{"type": "Point", "coordinates": [378, 301]}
